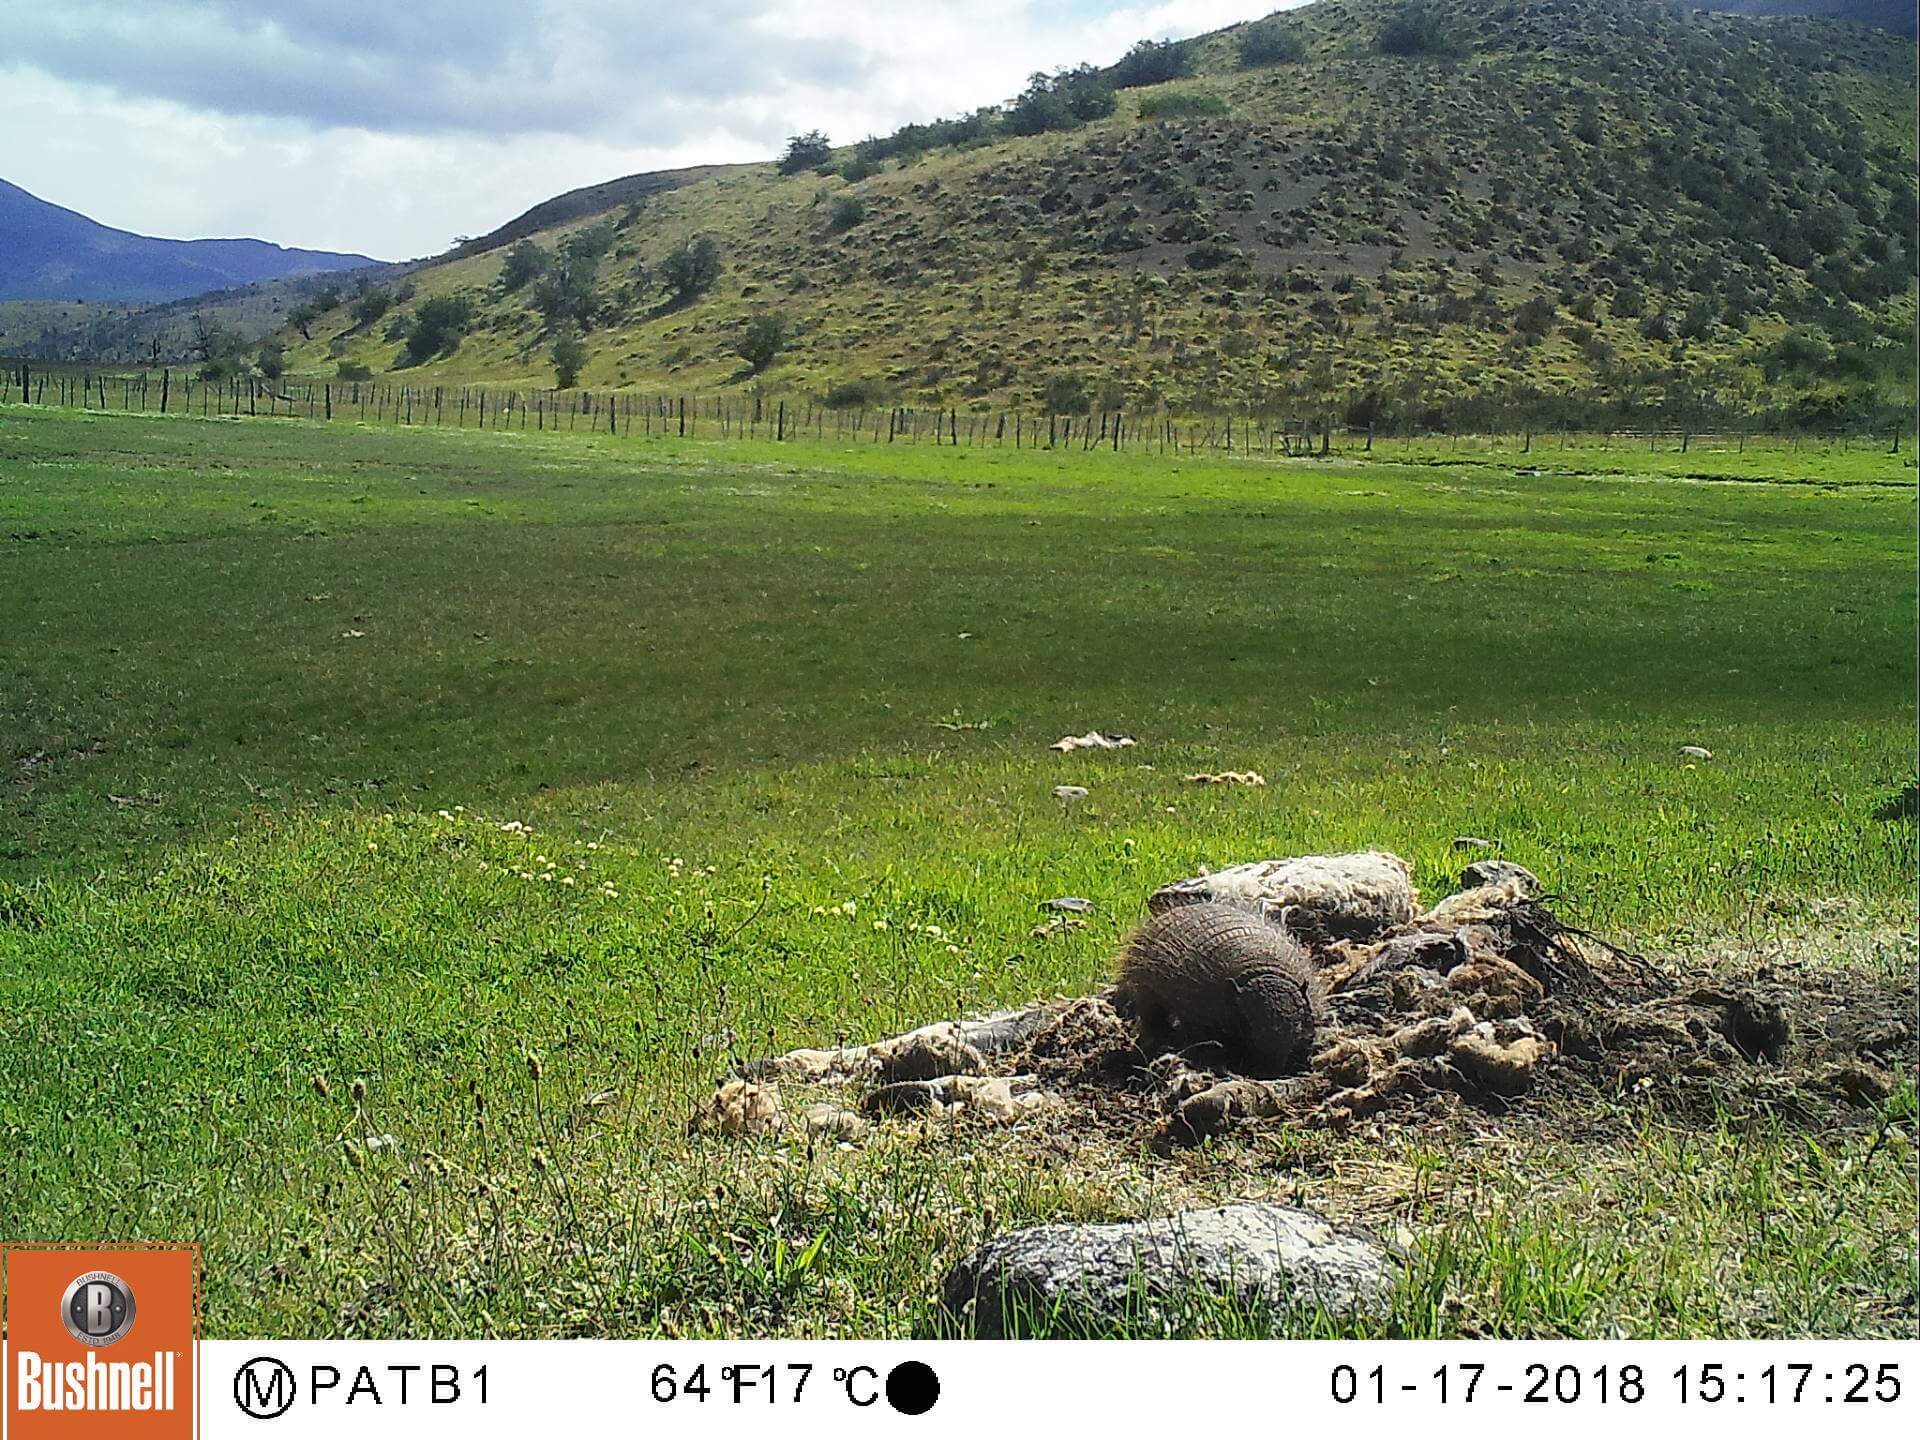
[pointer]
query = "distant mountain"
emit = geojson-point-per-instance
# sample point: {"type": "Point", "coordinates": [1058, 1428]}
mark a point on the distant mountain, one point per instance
{"type": "Point", "coordinates": [1895, 15]}
{"type": "Point", "coordinates": [51, 253]}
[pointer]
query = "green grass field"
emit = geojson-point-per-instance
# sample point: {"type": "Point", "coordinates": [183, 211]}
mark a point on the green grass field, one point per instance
{"type": "Point", "coordinates": [274, 976]}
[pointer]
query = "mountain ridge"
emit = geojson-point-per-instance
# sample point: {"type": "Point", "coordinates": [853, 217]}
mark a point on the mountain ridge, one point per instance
{"type": "Point", "coordinates": [55, 253]}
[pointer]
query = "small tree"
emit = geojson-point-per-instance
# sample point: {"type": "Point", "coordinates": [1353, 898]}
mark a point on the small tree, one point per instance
{"type": "Point", "coordinates": [691, 269]}
{"type": "Point", "coordinates": [848, 211]}
{"type": "Point", "coordinates": [1413, 29]}
{"type": "Point", "coordinates": [437, 326]}
{"type": "Point", "coordinates": [271, 361]}
{"type": "Point", "coordinates": [806, 152]}
{"type": "Point", "coordinates": [525, 262]}
{"type": "Point", "coordinates": [565, 292]}
{"type": "Point", "coordinates": [1272, 42]}
{"type": "Point", "coordinates": [370, 304]}
{"type": "Point", "coordinates": [1066, 394]}
{"type": "Point", "coordinates": [1152, 62]}
{"type": "Point", "coordinates": [761, 341]}
{"type": "Point", "coordinates": [302, 316]}
{"type": "Point", "coordinates": [569, 358]}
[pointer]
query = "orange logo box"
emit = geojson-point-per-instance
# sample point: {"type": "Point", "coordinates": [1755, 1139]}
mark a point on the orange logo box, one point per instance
{"type": "Point", "coordinates": [99, 1342]}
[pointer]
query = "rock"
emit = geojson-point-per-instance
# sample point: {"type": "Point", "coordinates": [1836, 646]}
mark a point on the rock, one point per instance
{"type": "Point", "coordinates": [1092, 740]}
{"type": "Point", "coordinates": [925, 1055]}
{"type": "Point", "coordinates": [1696, 752]}
{"type": "Point", "coordinates": [1099, 1275]}
{"type": "Point", "coordinates": [1504, 1067]}
{"type": "Point", "coordinates": [1344, 896]}
{"type": "Point", "coordinates": [1474, 842]}
{"type": "Point", "coordinates": [833, 1123]}
{"type": "Point", "coordinates": [1229, 777]}
{"type": "Point", "coordinates": [1499, 872]}
{"type": "Point", "coordinates": [1070, 792]}
{"type": "Point", "coordinates": [1071, 904]}
{"type": "Point", "coordinates": [741, 1107]}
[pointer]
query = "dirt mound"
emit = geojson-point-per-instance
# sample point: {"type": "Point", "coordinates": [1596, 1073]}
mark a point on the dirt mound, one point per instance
{"type": "Point", "coordinates": [1488, 1000]}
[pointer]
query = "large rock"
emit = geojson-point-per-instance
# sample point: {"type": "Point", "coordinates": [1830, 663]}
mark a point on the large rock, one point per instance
{"type": "Point", "coordinates": [1269, 1256]}
{"type": "Point", "coordinates": [1351, 897]}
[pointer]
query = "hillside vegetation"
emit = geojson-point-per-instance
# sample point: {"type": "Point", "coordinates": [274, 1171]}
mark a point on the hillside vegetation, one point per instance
{"type": "Point", "coordinates": [1380, 211]}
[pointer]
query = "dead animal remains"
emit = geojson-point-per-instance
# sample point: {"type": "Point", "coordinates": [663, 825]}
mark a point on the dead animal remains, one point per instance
{"type": "Point", "coordinates": [1318, 991]}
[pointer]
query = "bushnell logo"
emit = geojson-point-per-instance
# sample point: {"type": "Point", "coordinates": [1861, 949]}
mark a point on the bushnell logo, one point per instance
{"type": "Point", "coordinates": [82, 1358]}
{"type": "Point", "coordinates": [98, 1308]}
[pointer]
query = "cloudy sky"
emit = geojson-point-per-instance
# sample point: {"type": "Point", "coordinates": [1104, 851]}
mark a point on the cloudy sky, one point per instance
{"type": "Point", "coordinates": [387, 127]}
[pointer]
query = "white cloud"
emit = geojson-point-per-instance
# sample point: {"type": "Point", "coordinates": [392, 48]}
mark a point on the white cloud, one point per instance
{"type": "Point", "coordinates": [384, 126]}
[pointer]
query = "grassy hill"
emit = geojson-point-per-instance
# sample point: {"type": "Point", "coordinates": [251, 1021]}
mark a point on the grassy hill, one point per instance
{"type": "Point", "coordinates": [1364, 209]}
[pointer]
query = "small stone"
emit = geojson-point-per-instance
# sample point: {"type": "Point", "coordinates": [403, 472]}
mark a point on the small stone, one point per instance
{"type": "Point", "coordinates": [1071, 904]}
{"type": "Point", "coordinates": [1499, 872]}
{"type": "Point", "coordinates": [1696, 752]}
{"type": "Point", "coordinates": [1070, 792]}
{"type": "Point", "coordinates": [1474, 842]}
{"type": "Point", "coordinates": [1271, 1256]}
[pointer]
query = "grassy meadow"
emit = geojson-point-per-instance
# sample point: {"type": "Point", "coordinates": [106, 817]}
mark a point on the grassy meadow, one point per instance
{"type": "Point", "coordinates": [400, 829]}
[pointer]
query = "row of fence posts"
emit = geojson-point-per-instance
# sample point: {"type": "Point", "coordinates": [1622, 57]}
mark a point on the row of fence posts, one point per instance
{"type": "Point", "coordinates": [620, 413]}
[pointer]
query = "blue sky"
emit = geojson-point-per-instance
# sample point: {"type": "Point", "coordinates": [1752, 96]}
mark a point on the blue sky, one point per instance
{"type": "Point", "coordinates": [388, 126]}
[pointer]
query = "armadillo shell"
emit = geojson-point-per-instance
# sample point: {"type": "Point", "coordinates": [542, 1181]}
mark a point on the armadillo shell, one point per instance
{"type": "Point", "coordinates": [1224, 987]}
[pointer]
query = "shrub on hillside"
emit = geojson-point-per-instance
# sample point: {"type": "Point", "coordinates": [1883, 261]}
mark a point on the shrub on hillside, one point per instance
{"type": "Point", "coordinates": [1414, 29]}
{"type": "Point", "coordinates": [848, 211]}
{"type": "Point", "coordinates": [569, 358]}
{"type": "Point", "coordinates": [271, 361]}
{"type": "Point", "coordinates": [370, 304]}
{"type": "Point", "coordinates": [1152, 62]}
{"type": "Point", "coordinates": [691, 269]}
{"type": "Point", "coordinates": [855, 395]}
{"type": "Point", "coordinates": [590, 243]}
{"type": "Point", "coordinates": [1183, 104]}
{"type": "Point", "coordinates": [1272, 41]}
{"type": "Point", "coordinates": [805, 152]}
{"type": "Point", "coordinates": [438, 325]}
{"type": "Point", "coordinates": [354, 370]}
{"type": "Point", "coordinates": [565, 293]}
{"type": "Point", "coordinates": [1066, 395]}
{"type": "Point", "coordinates": [525, 262]}
{"type": "Point", "coordinates": [1061, 101]}
{"type": "Point", "coordinates": [760, 342]}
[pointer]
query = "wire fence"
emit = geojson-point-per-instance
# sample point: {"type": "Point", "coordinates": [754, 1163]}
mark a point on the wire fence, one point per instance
{"type": "Point", "coordinates": [757, 415]}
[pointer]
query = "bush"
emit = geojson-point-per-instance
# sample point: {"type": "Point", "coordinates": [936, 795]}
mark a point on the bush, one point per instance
{"type": "Point", "coordinates": [1066, 395]}
{"type": "Point", "coordinates": [692, 268]}
{"type": "Point", "coordinates": [569, 358]}
{"type": "Point", "coordinates": [1061, 101]}
{"type": "Point", "coordinates": [272, 360]}
{"type": "Point", "coordinates": [525, 262]}
{"type": "Point", "coordinates": [805, 152]}
{"type": "Point", "coordinates": [1182, 104]}
{"type": "Point", "coordinates": [564, 293]}
{"type": "Point", "coordinates": [856, 395]}
{"type": "Point", "coordinates": [354, 370]}
{"type": "Point", "coordinates": [1210, 255]}
{"type": "Point", "coordinates": [1272, 42]}
{"type": "Point", "coordinates": [862, 166]}
{"type": "Point", "coordinates": [848, 211]}
{"type": "Point", "coordinates": [590, 243]}
{"type": "Point", "coordinates": [370, 304]}
{"type": "Point", "coordinates": [1413, 29]}
{"type": "Point", "coordinates": [761, 341]}
{"type": "Point", "coordinates": [1152, 62]}
{"type": "Point", "coordinates": [438, 325]}
{"type": "Point", "coordinates": [1534, 320]}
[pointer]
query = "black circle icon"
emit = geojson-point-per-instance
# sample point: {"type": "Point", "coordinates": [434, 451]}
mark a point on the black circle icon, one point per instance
{"type": "Point", "coordinates": [264, 1387]}
{"type": "Point", "coordinates": [912, 1388]}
